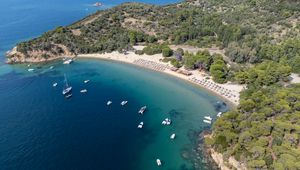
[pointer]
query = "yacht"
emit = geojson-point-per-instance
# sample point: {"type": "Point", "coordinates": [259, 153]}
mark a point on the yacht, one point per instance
{"type": "Point", "coordinates": [86, 81]}
{"type": "Point", "coordinates": [68, 61]}
{"type": "Point", "coordinates": [124, 103]}
{"type": "Point", "coordinates": [54, 84]}
{"type": "Point", "coordinates": [109, 103]}
{"type": "Point", "coordinates": [208, 118]}
{"type": "Point", "coordinates": [30, 69]}
{"type": "Point", "coordinates": [173, 136]}
{"type": "Point", "coordinates": [207, 121]}
{"type": "Point", "coordinates": [142, 110]}
{"type": "Point", "coordinates": [158, 162]}
{"type": "Point", "coordinates": [83, 91]}
{"type": "Point", "coordinates": [67, 89]}
{"type": "Point", "coordinates": [140, 126]}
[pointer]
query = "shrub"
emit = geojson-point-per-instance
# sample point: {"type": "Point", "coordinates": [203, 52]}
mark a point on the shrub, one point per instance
{"type": "Point", "coordinates": [167, 52]}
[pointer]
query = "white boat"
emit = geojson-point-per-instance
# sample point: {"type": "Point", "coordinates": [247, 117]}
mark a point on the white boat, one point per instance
{"type": "Point", "coordinates": [86, 81]}
{"type": "Point", "coordinates": [54, 84]}
{"type": "Point", "coordinates": [28, 65]}
{"type": "Point", "coordinates": [142, 110]}
{"type": "Point", "coordinates": [68, 61]}
{"type": "Point", "coordinates": [173, 136]}
{"type": "Point", "coordinates": [109, 103]}
{"type": "Point", "coordinates": [30, 69]}
{"type": "Point", "coordinates": [124, 103]}
{"type": "Point", "coordinates": [68, 96]}
{"type": "Point", "coordinates": [167, 121]}
{"type": "Point", "coordinates": [158, 162]}
{"type": "Point", "coordinates": [207, 121]}
{"type": "Point", "coordinates": [140, 126]}
{"type": "Point", "coordinates": [97, 4]}
{"type": "Point", "coordinates": [67, 89]}
{"type": "Point", "coordinates": [219, 114]}
{"type": "Point", "coordinates": [208, 118]}
{"type": "Point", "coordinates": [83, 91]}
{"type": "Point", "coordinates": [51, 67]}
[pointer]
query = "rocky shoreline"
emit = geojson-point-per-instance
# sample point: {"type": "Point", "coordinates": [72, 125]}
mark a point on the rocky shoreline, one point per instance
{"type": "Point", "coordinates": [218, 158]}
{"type": "Point", "coordinates": [37, 56]}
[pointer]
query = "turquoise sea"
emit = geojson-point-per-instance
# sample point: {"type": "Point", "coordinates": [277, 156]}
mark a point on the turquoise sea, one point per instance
{"type": "Point", "coordinates": [40, 129]}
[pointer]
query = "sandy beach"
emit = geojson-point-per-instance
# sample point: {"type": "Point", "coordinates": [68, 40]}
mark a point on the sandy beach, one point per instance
{"type": "Point", "coordinates": [228, 91]}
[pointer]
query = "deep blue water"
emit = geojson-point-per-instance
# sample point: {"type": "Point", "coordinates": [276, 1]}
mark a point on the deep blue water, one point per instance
{"type": "Point", "coordinates": [40, 129]}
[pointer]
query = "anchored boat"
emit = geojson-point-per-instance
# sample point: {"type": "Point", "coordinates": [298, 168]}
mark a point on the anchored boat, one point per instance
{"type": "Point", "coordinates": [124, 103]}
{"type": "Point", "coordinates": [142, 110]}
{"type": "Point", "coordinates": [109, 103]}
{"type": "Point", "coordinates": [67, 89]}
{"type": "Point", "coordinates": [140, 126]}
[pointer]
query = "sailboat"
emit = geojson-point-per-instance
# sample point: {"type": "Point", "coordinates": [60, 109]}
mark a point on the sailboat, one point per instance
{"type": "Point", "coordinates": [67, 89]}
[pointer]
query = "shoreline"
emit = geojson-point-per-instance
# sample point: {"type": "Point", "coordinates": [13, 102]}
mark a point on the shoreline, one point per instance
{"type": "Point", "coordinates": [229, 92]}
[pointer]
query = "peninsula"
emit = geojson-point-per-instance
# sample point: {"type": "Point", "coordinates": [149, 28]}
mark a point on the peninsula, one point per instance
{"type": "Point", "coordinates": [246, 51]}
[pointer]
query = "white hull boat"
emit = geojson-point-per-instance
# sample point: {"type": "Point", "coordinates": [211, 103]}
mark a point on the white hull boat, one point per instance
{"type": "Point", "coordinates": [68, 96]}
{"type": "Point", "coordinates": [68, 61]}
{"type": "Point", "coordinates": [158, 162]}
{"type": "Point", "coordinates": [208, 118]}
{"type": "Point", "coordinates": [124, 103]}
{"type": "Point", "coordinates": [140, 126]}
{"type": "Point", "coordinates": [207, 121]}
{"type": "Point", "coordinates": [142, 110]}
{"type": "Point", "coordinates": [83, 91]}
{"type": "Point", "coordinates": [109, 103]}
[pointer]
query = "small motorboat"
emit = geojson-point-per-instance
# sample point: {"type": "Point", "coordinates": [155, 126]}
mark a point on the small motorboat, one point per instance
{"type": "Point", "coordinates": [208, 118]}
{"type": "Point", "coordinates": [173, 136]}
{"type": "Point", "coordinates": [68, 61]}
{"type": "Point", "coordinates": [109, 103]}
{"type": "Point", "coordinates": [219, 114]}
{"type": "Point", "coordinates": [142, 110]}
{"type": "Point", "coordinates": [86, 81]}
{"type": "Point", "coordinates": [83, 91]}
{"type": "Point", "coordinates": [54, 84]}
{"type": "Point", "coordinates": [167, 121]}
{"type": "Point", "coordinates": [97, 4]}
{"type": "Point", "coordinates": [30, 70]}
{"type": "Point", "coordinates": [140, 126]}
{"type": "Point", "coordinates": [51, 67]}
{"type": "Point", "coordinates": [124, 103]}
{"type": "Point", "coordinates": [207, 121]}
{"type": "Point", "coordinates": [158, 162]}
{"type": "Point", "coordinates": [68, 95]}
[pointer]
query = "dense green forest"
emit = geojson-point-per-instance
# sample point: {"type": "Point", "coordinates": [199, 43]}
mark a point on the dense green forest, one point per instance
{"type": "Point", "coordinates": [264, 131]}
{"type": "Point", "coordinates": [262, 48]}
